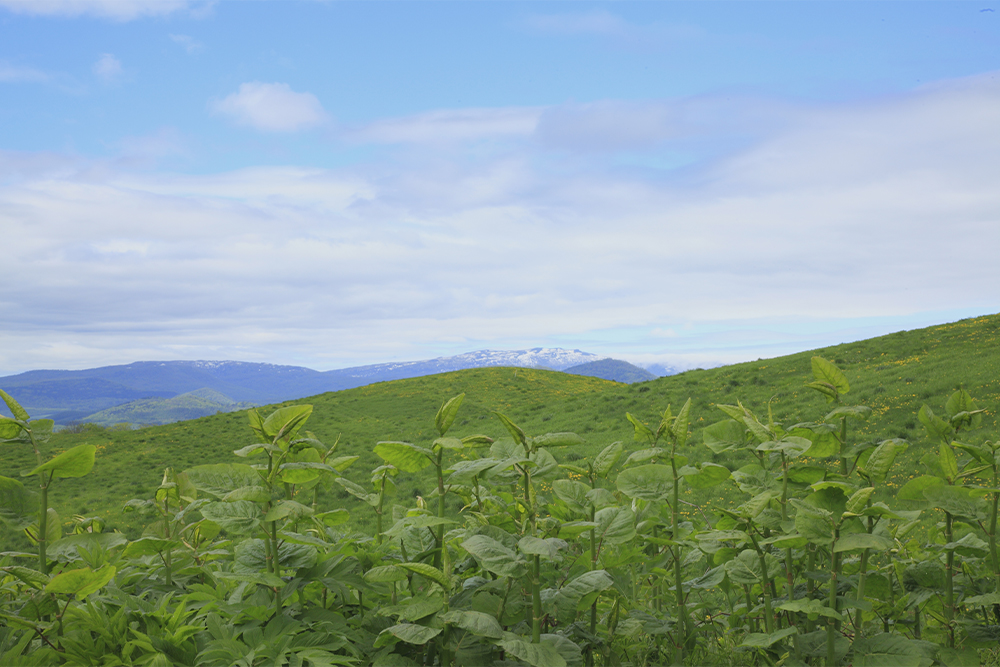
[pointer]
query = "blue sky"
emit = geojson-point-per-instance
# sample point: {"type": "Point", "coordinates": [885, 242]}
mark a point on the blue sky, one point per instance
{"type": "Point", "coordinates": [331, 184]}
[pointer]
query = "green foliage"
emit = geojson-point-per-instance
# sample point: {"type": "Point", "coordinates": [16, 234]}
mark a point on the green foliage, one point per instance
{"type": "Point", "coordinates": [802, 535]}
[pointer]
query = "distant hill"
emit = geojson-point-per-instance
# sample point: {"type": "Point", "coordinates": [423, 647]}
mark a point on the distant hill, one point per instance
{"type": "Point", "coordinates": [77, 396]}
{"type": "Point", "coordinates": [894, 375]}
{"type": "Point", "coordinates": [151, 411]}
{"type": "Point", "coordinates": [612, 369]}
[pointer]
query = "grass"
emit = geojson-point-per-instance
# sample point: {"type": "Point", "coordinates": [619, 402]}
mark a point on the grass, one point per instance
{"type": "Point", "coordinates": [893, 374]}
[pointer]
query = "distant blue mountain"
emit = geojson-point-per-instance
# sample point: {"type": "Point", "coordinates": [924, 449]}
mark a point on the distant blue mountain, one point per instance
{"type": "Point", "coordinates": [68, 396]}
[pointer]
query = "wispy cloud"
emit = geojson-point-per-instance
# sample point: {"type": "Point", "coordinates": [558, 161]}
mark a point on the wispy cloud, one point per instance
{"type": "Point", "coordinates": [108, 68]}
{"type": "Point", "coordinates": [450, 125]}
{"type": "Point", "coordinates": [19, 74]}
{"type": "Point", "coordinates": [271, 107]}
{"type": "Point", "coordinates": [118, 10]}
{"type": "Point", "coordinates": [187, 42]}
{"type": "Point", "coordinates": [876, 208]}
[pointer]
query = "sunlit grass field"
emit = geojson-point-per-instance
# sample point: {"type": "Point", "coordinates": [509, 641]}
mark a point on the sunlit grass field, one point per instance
{"type": "Point", "coordinates": [894, 375]}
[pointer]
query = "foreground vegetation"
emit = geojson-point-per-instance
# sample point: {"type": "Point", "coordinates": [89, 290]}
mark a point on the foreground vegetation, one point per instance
{"type": "Point", "coordinates": [508, 556]}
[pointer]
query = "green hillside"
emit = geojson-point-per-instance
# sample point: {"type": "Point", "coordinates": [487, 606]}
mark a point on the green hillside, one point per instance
{"type": "Point", "coordinates": [893, 374]}
{"type": "Point", "coordinates": [149, 411]}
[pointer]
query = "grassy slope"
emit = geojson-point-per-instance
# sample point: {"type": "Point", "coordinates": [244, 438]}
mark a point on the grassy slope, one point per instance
{"type": "Point", "coordinates": [893, 374]}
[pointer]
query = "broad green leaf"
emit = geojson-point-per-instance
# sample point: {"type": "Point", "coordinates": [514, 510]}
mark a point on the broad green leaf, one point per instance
{"type": "Point", "coordinates": [569, 598]}
{"type": "Point", "coordinates": [825, 371]}
{"type": "Point", "coordinates": [414, 608]}
{"type": "Point", "coordinates": [709, 475]}
{"type": "Point", "coordinates": [679, 429]}
{"type": "Point", "coordinates": [407, 523]}
{"type": "Point", "coordinates": [724, 435]}
{"type": "Point", "coordinates": [826, 389]}
{"type": "Point", "coordinates": [861, 412]}
{"type": "Point", "coordinates": [885, 650]}
{"type": "Point", "coordinates": [476, 622]}
{"type": "Point", "coordinates": [446, 414]}
{"type": "Point", "coordinates": [563, 439]}
{"type": "Point", "coordinates": [547, 549]}
{"type": "Point", "coordinates": [219, 479]}
{"type": "Point", "coordinates": [385, 574]}
{"type": "Point", "coordinates": [537, 655]}
{"type": "Point", "coordinates": [616, 525]}
{"type": "Point", "coordinates": [746, 568]}
{"type": "Point", "coordinates": [18, 505]}
{"type": "Point", "coordinates": [449, 443]}
{"type": "Point", "coordinates": [520, 437]}
{"type": "Point", "coordinates": [913, 491]}
{"type": "Point", "coordinates": [259, 448]}
{"type": "Point", "coordinates": [80, 583]}
{"type": "Point", "coordinates": [53, 528]}
{"type": "Point", "coordinates": [464, 471]}
{"type": "Point", "coordinates": [880, 462]}
{"type": "Point", "coordinates": [251, 556]}
{"type": "Point", "coordinates": [936, 427]}
{"type": "Point", "coordinates": [255, 494]}
{"type": "Point", "coordinates": [960, 401]}
{"type": "Point", "coordinates": [268, 579]}
{"type": "Point", "coordinates": [760, 432]}
{"type": "Point", "coordinates": [32, 578]}
{"type": "Point", "coordinates": [969, 546]}
{"type": "Point", "coordinates": [645, 455]}
{"type": "Point", "coordinates": [285, 509]}
{"type": "Point", "coordinates": [649, 482]}
{"type": "Point", "coordinates": [965, 657]}
{"type": "Point", "coordinates": [790, 445]}
{"type": "Point", "coordinates": [947, 461]}
{"type": "Point", "coordinates": [805, 474]}
{"type": "Point", "coordinates": [409, 633]}
{"type": "Point", "coordinates": [495, 557]}
{"type": "Point", "coordinates": [302, 472]}
{"type": "Point", "coordinates": [812, 608]}
{"type": "Point", "coordinates": [859, 500]}
{"type": "Point", "coordinates": [642, 432]}
{"type": "Point", "coordinates": [66, 549]}
{"type": "Point", "coordinates": [982, 600]}
{"type": "Point", "coordinates": [342, 463]}
{"type": "Point", "coordinates": [762, 640]}
{"type": "Point", "coordinates": [429, 572]}
{"type": "Point", "coordinates": [149, 546]}
{"type": "Point", "coordinates": [358, 491]}
{"type": "Point", "coordinates": [858, 541]}
{"type": "Point", "coordinates": [573, 529]}
{"type": "Point", "coordinates": [14, 407]}
{"type": "Point", "coordinates": [239, 516]}
{"type": "Point", "coordinates": [403, 455]}
{"type": "Point", "coordinates": [606, 460]}
{"type": "Point", "coordinates": [822, 436]}
{"type": "Point", "coordinates": [334, 517]}
{"type": "Point", "coordinates": [958, 501]}
{"type": "Point", "coordinates": [10, 429]}
{"type": "Point", "coordinates": [284, 423]}
{"type": "Point", "coordinates": [574, 494]}
{"type": "Point", "coordinates": [75, 462]}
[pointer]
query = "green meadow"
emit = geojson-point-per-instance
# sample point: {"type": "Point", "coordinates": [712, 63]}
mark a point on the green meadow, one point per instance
{"type": "Point", "coordinates": [893, 374]}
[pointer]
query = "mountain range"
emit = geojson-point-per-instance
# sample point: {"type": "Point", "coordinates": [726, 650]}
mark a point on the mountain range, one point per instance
{"type": "Point", "coordinates": [156, 392]}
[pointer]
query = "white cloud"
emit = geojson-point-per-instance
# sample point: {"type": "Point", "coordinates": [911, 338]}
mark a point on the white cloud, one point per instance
{"type": "Point", "coordinates": [108, 68]}
{"type": "Point", "coordinates": [188, 43]}
{"type": "Point", "coordinates": [884, 208]}
{"type": "Point", "coordinates": [271, 107]}
{"type": "Point", "coordinates": [18, 74]}
{"type": "Point", "coordinates": [449, 126]}
{"type": "Point", "coordinates": [119, 10]}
